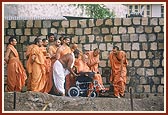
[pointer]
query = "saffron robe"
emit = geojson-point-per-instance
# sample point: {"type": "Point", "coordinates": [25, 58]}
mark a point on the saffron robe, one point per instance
{"type": "Point", "coordinates": [118, 72]}
{"type": "Point", "coordinates": [16, 74]}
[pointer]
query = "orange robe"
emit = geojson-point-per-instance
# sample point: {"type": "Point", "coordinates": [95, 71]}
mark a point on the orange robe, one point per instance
{"type": "Point", "coordinates": [28, 65]}
{"type": "Point", "coordinates": [38, 78]}
{"type": "Point", "coordinates": [52, 50]}
{"type": "Point", "coordinates": [94, 68]}
{"type": "Point", "coordinates": [47, 63]}
{"type": "Point", "coordinates": [93, 60]}
{"type": "Point", "coordinates": [118, 77]}
{"type": "Point", "coordinates": [16, 74]}
{"type": "Point", "coordinates": [83, 67]}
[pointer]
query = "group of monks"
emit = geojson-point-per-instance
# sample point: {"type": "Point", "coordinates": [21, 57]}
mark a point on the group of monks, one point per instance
{"type": "Point", "coordinates": [50, 66]}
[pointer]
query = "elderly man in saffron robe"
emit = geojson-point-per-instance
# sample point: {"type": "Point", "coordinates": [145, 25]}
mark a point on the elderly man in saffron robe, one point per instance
{"type": "Point", "coordinates": [118, 76]}
{"type": "Point", "coordinates": [93, 63]}
{"type": "Point", "coordinates": [38, 77]}
{"type": "Point", "coordinates": [16, 74]}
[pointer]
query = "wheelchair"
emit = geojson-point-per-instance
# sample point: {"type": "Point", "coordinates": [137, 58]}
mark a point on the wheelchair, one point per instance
{"type": "Point", "coordinates": [82, 83]}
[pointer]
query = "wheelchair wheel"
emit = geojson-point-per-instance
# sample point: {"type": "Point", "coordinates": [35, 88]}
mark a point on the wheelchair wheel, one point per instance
{"type": "Point", "coordinates": [93, 94]}
{"type": "Point", "coordinates": [73, 92]}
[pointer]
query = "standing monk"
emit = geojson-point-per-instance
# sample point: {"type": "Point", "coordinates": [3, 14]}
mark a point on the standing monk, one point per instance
{"type": "Point", "coordinates": [16, 74]}
{"type": "Point", "coordinates": [118, 76]}
{"type": "Point", "coordinates": [61, 68]}
{"type": "Point", "coordinates": [38, 78]}
{"type": "Point", "coordinates": [53, 49]}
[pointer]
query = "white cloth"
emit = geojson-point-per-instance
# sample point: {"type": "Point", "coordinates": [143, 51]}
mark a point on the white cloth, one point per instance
{"type": "Point", "coordinates": [59, 73]}
{"type": "Point", "coordinates": [73, 60]}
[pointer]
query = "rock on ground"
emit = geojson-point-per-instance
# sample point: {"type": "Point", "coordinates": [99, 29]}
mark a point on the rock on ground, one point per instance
{"type": "Point", "coordinates": [36, 101]}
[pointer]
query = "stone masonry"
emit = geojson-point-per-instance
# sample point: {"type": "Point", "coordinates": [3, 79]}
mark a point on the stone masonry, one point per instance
{"type": "Point", "coordinates": [141, 38]}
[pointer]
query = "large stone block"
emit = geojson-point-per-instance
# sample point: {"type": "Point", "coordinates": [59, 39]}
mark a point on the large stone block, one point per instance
{"type": "Point", "coordinates": [114, 30]}
{"type": "Point", "coordinates": [99, 39]}
{"type": "Point", "coordinates": [151, 37]}
{"type": "Point", "coordinates": [147, 63]}
{"type": "Point", "coordinates": [149, 72]}
{"type": "Point", "coordinates": [109, 46]}
{"type": "Point", "coordinates": [161, 21]}
{"type": "Point", "coordinates": [73, 23]}
{"type": "Point", "coordinates": [105, 31]}
{"type": "Point", "coordinates": [86, 47]}
{"type": "Point", "coordinates": [148, 29]}
{"type": "Point", "coordinates": [87, 31]}
{"type": "Point", "coordinates": [35, 31]}
{"type": "Point", "coordinates": [139, 29]}
{"type": "Point", "coordinates": [156, 63]}
{"type": "Point", "coordinates": [160, 71]}
{"type": "Point", "coordinates": [105, 55]}
{"type": "Point", "coordinates": [117, 21]}
{"type": "Point", "coordinates": [29, 23]}
{"type": "Point", "coordinates": [13, 24]}
{"type": "Point", "coordinates": [27, 31]}
{"type": "Point", "coordinates": [82, 39]}
{"type": "Point", "coordinates": [109, 22]}
{"type": "Point", "coordinates": [142, 54]}
{"type": "Point", "coordinates": [133, 37]}
{"type": "Point", "coordinates": [61, 30]}
{"type": "Point", "coordinates": [96, 30]}
{"type": "Point", "coordinates": [70, 31]}
{"type": "Point", "coordinates": [91, 23]}
{"type": "Point", "coordinates": [147, 88]}
{"type": "Point", "coordinates": [127, 21]}
{"type": "Point", "coordinates": [150, 55]}
{"type": "Point", "coordinates": [108, 38]}
{"type": "Point", "coordinates": [157, 29]}
{"type": "Point", "coordinates": [131, 30]}
{"type": "Point", "coordinates": [47, 24]}
{"type": "Point", "coordinates": [10, 32]}
{"type": "Point", "coordinates": [160, 45]}
{"type": "Point", "coordinates": [142, 38]}
{"type": "Point", "coordinates": [156, 80]}
{"type": "Point", "coordinates": [19, 32]}
{"type": "Point", "coordinates": [65, 23]}
{"type": "Point", "coordinates": [136, 21]}
{"type": "Point", "coordinates": [116, 38]}
{"type": "Point", "coordinates": [122, 30]}
{"type": "Point", "coordinates": [141, 71]}
{"type": "Point", "coordinates": [160, 36]}
{"type": "Point", "coordinates": [37, 23]}
{"type": "Point", "coordinates": [24, 39]}
{"type": "Point", "coordinates": [125, 38]}
{"type": "Point", "coordinates": [82, 23]}
{"type": "Point", "coordinates": [99, 22]}
{"type": "Point", "coordinates": [127, 46]}
{"type": "Point", "coordinates": [144, 46]}
{"type": "Point", "coordinates": [154, 21]}
{"type": "Point", "coordinates": [6, 24]}
{"type": "Point", "coordinates": [160, 89]}
{"type": "Point", "coordinates": [75, 39]}
{"type": "Point", "coordinates": [145, 20]}
{"type": "Point", "coordinates": [134, 54]}
{"type": "Point", "coordinates": [53, 30]}
{"type": "Point", "coordinates": [137, 63]}
{"type": "Point", "coordinates": [153, 46]}
{"type": "Point", "coordinates": [56, 24]}
{"type": "Point", "coordinates": [44, 32]}
{"type": "Point", "coordinates": [78, 31]}
{"type": "Point", "coordinates": [135, 46]}
{"type": "Point", "coordinates": [143, 80]}
{"type": "Point", "coordinates": [139, 88]}
{"type": "Point", "coordinates": [21, 24]}
{"type": "Point", "coordinates": [91, 38]}
{"type": "Point", "coordinates": [102, 46]}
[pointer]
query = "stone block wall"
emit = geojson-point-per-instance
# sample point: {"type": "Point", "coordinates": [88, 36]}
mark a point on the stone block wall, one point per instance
{"type": "Point", "coordinates": [141, 38]}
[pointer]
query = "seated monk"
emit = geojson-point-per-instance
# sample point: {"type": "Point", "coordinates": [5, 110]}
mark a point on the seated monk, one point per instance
{"type": "Point", "coordinates": [81, 65]}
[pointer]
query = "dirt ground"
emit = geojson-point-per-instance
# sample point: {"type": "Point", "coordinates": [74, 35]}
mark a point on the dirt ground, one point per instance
{"type": "Point", "coordinates": [31, 101]}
